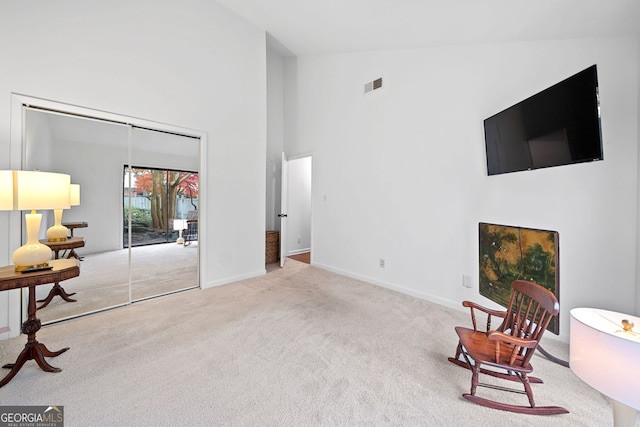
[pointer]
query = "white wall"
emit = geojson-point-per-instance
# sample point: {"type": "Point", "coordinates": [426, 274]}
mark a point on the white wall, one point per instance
{"type": "Point", "coordinates": [400, 173]}
{"type": "Point", "coordinates": [192, 64]}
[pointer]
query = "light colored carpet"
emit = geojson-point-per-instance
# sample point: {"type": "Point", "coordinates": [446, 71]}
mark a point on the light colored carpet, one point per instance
{"type": "Point", "coordinates": [299, 346]}
{"type": "Point", "coordinates": [104, 279]}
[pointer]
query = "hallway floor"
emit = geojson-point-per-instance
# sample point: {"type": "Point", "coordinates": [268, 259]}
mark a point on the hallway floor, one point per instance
{"type": "Point", "coordinates": [303, 257]}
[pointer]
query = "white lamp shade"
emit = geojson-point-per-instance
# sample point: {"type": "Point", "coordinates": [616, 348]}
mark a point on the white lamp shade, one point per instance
{"type": "Point", "coordinates": [179, 224]}
{"type": "Point", "coordinates": [41, 190]}
{"type": "Point", "coordinates": [33, 191]}
{"type": "Point", "coordinates": [604, 356]}
{"type": "Point", "coordinates": [6, 190]}
{"type": "Point", "coordinates": [74, 194]}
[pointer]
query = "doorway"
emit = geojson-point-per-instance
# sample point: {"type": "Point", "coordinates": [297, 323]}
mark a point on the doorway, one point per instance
{"type": "Point", "coordinates": [298, 208]}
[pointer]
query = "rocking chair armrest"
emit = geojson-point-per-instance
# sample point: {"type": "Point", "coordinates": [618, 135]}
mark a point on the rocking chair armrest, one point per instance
{"type": "Point", "coordinates": [473, 306]}
{"type": "Point", "coordinates": [510, 339]}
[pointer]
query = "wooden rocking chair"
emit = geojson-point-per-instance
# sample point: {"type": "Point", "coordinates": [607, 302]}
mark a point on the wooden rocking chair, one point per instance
{"type": "Point", "coordinates": [506, 351]}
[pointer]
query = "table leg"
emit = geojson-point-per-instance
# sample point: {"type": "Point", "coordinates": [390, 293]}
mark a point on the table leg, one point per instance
{"type": "Point", "coordinates": [33, 350]}
{"type": "Point", "coordinates": [56, 290]}
{"type": "Point", "coordinates": [74, 255]}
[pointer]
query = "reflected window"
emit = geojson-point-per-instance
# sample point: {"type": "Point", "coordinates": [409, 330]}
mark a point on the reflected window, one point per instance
{"type": "Point", "coordinates": [152, 200]}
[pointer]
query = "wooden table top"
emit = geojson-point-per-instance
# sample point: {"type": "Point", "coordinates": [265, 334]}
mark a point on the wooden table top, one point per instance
{"type": "Point", "coordinates": [75, 224]}
{"type": "Point", "coordinates": [70, 243]}
{"type": "Point", "coordinates": [62, 269]}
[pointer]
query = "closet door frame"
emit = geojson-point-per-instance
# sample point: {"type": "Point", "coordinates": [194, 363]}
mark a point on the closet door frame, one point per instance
{"type": "Point", "coordinates": [19, 102]}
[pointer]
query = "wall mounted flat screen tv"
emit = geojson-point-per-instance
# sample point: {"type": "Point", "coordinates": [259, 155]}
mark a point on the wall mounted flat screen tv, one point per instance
{"type": "Point", "coordinates": [558, 126]}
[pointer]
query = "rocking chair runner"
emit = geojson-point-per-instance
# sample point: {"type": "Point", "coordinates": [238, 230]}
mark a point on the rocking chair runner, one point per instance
{"type": "Point", "coordinates": [507, 350]}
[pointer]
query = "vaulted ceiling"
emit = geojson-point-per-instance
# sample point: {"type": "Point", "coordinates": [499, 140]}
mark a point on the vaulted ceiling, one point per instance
{"type": "Point", "coordinates": [305, 27]}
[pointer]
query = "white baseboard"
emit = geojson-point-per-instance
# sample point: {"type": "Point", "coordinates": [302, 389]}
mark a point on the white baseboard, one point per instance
{"type": "Point", "coordinates": [394, 287]}
{"type": "Point", "coordinates": [298, 251]}
{"type": "Point", "coordinates": [232, 279]}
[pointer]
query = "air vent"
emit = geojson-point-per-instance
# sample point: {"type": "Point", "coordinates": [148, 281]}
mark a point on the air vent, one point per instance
{"type": "Point", "coordinates": [376, 84]}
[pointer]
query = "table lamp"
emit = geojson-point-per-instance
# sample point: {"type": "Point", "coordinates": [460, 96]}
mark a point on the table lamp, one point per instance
{"type": "Point", "coordinates": [605, 353]}
{"type": "Point", "coordinates": [179, 225]}
{"type": "Point", "coordinates": [58, 232]}
{"type": "Point", "coordinates": [36, 191]}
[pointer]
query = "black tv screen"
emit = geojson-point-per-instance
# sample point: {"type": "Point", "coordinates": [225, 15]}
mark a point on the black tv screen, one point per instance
{"type": "Point", "coordinates": [558, 126]}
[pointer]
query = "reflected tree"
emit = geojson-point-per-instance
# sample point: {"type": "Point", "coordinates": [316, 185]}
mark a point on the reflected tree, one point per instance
{"type": "Point", "coordinates": [162, 188]}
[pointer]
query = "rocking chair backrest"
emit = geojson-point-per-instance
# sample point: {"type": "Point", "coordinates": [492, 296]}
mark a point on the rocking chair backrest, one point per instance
{"type": "Point", "coordinates": [530, 310]}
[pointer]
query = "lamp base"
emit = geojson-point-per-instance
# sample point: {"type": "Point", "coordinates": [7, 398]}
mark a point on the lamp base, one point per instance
{"type": "Point", "coordinates": [36, 267]}
{"type": "Point", "coordinates": [22, 262]}
{"type": "Point", "coordinates": [33, 254]}
{"type": "Point", "coordinates": [57, 232]}
{"type": "Point", "coordinates": [623, 415]}
{"type": "Point", "coordinates": [43, 267]}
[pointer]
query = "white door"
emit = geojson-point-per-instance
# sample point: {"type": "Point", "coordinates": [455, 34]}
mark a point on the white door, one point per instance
{"type": "Point", "coordinates": [284, 203]}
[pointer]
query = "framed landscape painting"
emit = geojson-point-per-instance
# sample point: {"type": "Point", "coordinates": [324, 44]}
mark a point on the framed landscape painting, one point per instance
{"type": "Point", "coordinates": [509, 253]}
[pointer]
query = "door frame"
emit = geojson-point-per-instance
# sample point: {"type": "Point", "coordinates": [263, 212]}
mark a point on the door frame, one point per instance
{"type": "Point", "coordinates": [285, 209]}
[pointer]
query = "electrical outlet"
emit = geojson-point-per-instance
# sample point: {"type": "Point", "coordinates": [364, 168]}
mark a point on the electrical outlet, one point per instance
{"type": "Point", "coordinates": [381, 263]}
{"type": "Point", "coordinates": [299, 239]}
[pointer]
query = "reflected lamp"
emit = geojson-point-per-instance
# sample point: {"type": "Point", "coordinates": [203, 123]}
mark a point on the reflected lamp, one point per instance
{"type": "Point", "coordinates": [34, 191]}
{"type": "Point", "coordinates": [58, 232]}
{"type": "Point", "coordinates": [179, 225]}
{"type": "Point", "coordinates": [605, 353]}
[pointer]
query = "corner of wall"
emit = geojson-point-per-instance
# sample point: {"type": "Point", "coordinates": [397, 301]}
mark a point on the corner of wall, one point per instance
{"type": "Point", "coordinates": [637, 287]}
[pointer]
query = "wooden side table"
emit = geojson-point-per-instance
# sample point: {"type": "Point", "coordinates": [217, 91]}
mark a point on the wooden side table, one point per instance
{"type": "Point", "coordinates": [56, 247]}
{"type": "Point", "coordinates": [33, 350]}
{"type": "Point", "coordinates": [73, 225]}
{"type": "Point", "coordinates": [71, 243]}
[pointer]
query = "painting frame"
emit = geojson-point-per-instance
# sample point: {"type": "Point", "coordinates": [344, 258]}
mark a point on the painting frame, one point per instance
{"type": "Point", "coordinates": [508, 253]}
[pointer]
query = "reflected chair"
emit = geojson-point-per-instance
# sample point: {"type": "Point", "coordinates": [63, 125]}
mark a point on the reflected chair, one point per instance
{"type": "Point", "coordinates": [505, 353]}
{"type": "Point", "coordinates": [191, 233]}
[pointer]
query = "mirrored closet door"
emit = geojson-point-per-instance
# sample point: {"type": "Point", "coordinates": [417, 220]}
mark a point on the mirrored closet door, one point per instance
{"type": "Point", "coordinates": [119, 168]}
{"type": "Point", "coordinates": [162, 190]}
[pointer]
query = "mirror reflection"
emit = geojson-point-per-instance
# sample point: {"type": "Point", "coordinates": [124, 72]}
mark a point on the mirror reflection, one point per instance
{"type": "Point", "coordinates": [138, 207]}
